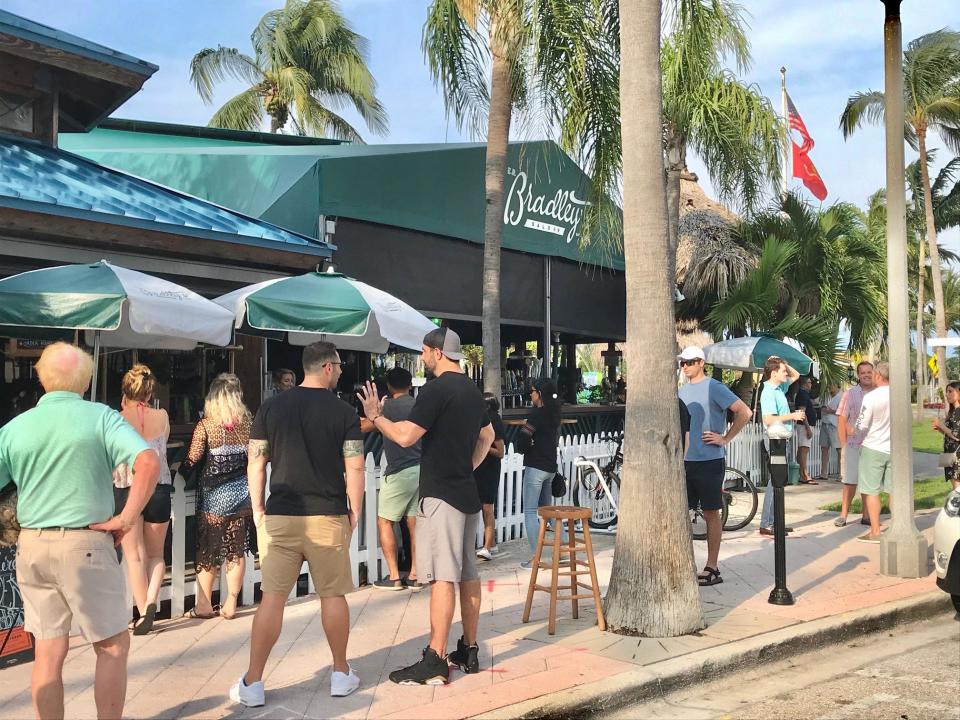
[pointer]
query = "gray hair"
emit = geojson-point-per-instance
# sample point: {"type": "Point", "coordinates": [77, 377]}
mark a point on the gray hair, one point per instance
{"type": "Point", "coordinates": [66, 367]}
{"type": "Point", "coordinates": [883, 370]}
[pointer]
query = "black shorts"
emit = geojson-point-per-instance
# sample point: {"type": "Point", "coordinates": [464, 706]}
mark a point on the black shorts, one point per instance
{"type": "Point", "coordinates": [705, 483]}
{"type": "Point", "coordinates": [157, 509]}
{"type": "Point", "coordinates": [487, 487]}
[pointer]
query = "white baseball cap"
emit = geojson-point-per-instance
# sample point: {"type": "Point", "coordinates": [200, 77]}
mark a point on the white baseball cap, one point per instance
{"type": "Point", "coordinates": [692, 352]}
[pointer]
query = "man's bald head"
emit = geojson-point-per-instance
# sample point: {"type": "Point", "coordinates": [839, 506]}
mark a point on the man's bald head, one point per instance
{"type": "Point", "coordinates": [65, 367]}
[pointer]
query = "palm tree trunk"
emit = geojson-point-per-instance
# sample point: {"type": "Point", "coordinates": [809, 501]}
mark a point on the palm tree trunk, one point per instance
{"type": "Point", "coordinates": [676, 161]}
{"type": "Point", "coordinates": [921, 365]}
{"type": "Point", "coordinates": [939, 313]}
{"type": "Point", "coordinates": [653, 590]}
{"type": "Point", "coordinates": [276, 123]}
{"type": "Point", "coordinates": [498, 135]}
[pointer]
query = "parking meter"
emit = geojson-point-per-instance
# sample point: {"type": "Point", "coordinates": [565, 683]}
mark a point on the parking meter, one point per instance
{"type": "Point", "coordinates": [780, 595]}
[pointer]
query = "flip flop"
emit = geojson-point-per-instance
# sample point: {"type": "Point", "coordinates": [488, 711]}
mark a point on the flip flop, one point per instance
{"type": "Point", "coordinates": [145, 624]}
{"type": "Point", "coordinates": [194, 615]}
{"type": "Point", "coordinates": [809, 481]}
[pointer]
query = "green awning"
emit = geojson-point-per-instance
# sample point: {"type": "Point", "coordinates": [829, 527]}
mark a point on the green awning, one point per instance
{"type": "Point", "coordinates": [433, 188]}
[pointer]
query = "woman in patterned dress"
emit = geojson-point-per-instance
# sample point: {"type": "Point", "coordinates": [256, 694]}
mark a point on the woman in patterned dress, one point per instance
{"type": "Point", "coordinates": [950, 427]}
{"type": "Point", "coordinates": [224, 517]}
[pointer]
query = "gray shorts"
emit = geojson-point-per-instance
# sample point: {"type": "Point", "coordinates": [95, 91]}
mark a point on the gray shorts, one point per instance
{"type": "Point", "coordinates": [446, 542]}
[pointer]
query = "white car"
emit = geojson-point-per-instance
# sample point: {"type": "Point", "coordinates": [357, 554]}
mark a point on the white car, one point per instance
{"type": "Point", "coordinates": [946, 548]}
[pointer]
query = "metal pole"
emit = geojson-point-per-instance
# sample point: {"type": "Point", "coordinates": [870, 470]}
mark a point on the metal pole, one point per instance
{"type": "Point", "coordinates": [96, 365]}
{"type": "Point", "coordinates": [780, 595]}
{"type": "Point", "coordinates": [784, 181]}
{"type": "Point", "coordinates": [546, 369]}
{"type": "Point", "coordinates": [903, 550]}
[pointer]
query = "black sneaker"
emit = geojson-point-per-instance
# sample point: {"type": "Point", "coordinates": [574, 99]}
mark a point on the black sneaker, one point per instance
{"type": "Point", "coordinates": [466, 657]}
{"type": "Point", "coordinates": [431, 670]}
{"type": "Point", "coordinates": [388, 584]}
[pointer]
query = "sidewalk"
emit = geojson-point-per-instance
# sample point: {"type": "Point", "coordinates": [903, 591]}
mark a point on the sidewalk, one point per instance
{"type": "Point", "coordinates": [185, 669]}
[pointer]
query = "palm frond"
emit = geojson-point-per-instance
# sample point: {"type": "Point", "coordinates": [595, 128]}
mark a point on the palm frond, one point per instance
{"type": "Point", "coordinates": [213, 65]}
{"type": "Point", "coordinates": [241, 112]}
{"type": "Point", "coordinates": [862, 107]}
{"type": "Point", "coordinates": [313, 117]}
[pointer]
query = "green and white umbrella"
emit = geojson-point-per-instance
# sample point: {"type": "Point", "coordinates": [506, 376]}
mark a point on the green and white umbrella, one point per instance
{"type": "Point", "coordinates": [327, 306]}
{"type": "Point", "coordinates": [750, 353]}
{"type": "Point", "coordinates": [116, 307]}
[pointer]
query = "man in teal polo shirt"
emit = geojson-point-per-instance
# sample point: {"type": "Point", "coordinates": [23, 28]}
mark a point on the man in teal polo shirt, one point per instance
{"type": "Point", "coordinates": [778, 376]}
{"type": "Point", "coordinates": [60, 455]}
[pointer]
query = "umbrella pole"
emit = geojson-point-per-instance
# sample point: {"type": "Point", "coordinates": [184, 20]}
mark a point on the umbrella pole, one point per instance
{"type": "Point", "coordinates": [96, 365]}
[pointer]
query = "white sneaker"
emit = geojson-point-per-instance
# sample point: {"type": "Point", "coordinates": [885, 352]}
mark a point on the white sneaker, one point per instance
{"type": "Point", "coordinates": [495, 550]}
{"type": "Point", "coordinates": [250, 695]}
{"type": "Point", "coordinates": [484, 554]}
{"type": "Point", "coordinates": [342, 684]}
{"type": "Point", "coordinates": [526, 565]}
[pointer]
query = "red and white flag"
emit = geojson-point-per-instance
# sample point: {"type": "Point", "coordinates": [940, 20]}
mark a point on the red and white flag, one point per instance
{"type": "Point", "coordinates": [803, 166]}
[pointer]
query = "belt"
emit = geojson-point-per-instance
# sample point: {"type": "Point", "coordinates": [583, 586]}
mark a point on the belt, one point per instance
{"type": "Point", "coordinates": [48, 529]}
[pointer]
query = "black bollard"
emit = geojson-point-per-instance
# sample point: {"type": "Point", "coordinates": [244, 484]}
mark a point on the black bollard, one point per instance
{"type": "Point", "coordinates": [780, 595]}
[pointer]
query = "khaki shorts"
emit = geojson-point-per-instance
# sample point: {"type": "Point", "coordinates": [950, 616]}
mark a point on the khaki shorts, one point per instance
{"type": "Point", "coordinates": [69, 577]}
{"type": "Point", "coordinates": [874, 472]}
{"type": "Point", "coordinates": [323, 541]}
{"type": "Point", "coordinates": [399, 494]}
{"type": "Point", "coordinates": [446, 543]}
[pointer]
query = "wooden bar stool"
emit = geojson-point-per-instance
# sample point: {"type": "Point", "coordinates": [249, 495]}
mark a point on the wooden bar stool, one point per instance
{"type": "Point", "coordinates": [571, 565]}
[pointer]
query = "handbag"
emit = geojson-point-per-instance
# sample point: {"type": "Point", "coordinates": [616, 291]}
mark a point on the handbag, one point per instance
{"type": "Point", "coordinates": [9, 526]}
{"type": "Point", "coordinates": [947, 459]}
{"type": "Point", "coordinates": [558, 486]}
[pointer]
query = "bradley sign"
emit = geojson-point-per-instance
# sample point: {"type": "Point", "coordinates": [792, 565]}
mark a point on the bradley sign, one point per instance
{"type": "Point", "coordinates": [556, 212]}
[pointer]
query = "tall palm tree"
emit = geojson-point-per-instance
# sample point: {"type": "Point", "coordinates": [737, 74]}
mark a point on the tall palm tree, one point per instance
{"type": "Point", "coordinates": [307, 63]}
{"type": "Point", "coordinates": [463, 40]}
{"type": "Point", "coordinates": [731, 126]}
{"type": "Point", "coordinates": [652, 591]}
{"type": "Point", "coordinates": [931, 82]}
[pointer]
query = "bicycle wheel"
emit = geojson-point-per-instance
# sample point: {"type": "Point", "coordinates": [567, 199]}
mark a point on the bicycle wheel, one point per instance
{"type": "Point", "coordinates": [740, 495]}
{"type": "Point", "coordinates": [589, 493]}
{"type": "Point", "coordinates": [698, 525]}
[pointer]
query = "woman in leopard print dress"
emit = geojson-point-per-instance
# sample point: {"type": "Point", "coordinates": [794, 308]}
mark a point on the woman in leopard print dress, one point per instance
{"type": "Point", "coordinates": [224, 517]}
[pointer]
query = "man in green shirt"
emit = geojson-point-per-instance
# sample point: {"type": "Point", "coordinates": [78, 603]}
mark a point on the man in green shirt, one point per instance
{"type": "Point", "coordinates": [60, 455]}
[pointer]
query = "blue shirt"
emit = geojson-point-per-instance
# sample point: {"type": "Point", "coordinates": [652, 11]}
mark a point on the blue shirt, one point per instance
{"type": "Point", "coordinates": [708, 402]}
{"type": "Point", "coordinates": [773, 401]}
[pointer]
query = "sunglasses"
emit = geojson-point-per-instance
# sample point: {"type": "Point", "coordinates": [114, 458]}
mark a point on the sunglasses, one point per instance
{"type": "Point", "coordinates": [685, 363]}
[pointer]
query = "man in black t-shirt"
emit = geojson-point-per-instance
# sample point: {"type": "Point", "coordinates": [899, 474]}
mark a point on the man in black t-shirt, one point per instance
{"type": "Point", "coordinates": [313, 443]}
{"type": "Point", "coordinates": [451, 418]}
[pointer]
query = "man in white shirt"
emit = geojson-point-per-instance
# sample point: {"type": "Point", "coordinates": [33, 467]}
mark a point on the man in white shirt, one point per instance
{"type": "Point", "coordinates": [850, 440]}
{"type": "Point", "coordinates": [874, 424]}
{"type": "Point", "coordinates": [829, 433]}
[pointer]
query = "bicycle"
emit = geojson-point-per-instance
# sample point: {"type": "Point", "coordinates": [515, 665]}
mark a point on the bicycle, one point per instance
{"type": "Point", "coordinates": [599, 488]}
{"type": "Point", "coordinates": [740, 504]}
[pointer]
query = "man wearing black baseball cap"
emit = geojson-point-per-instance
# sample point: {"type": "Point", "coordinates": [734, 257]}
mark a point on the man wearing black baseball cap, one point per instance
{"type": "Point", "coordinates": [450, 416]}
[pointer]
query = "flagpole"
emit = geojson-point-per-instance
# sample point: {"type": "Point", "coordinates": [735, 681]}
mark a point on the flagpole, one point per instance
{"type": "Point", "coordinates": [786, 140]}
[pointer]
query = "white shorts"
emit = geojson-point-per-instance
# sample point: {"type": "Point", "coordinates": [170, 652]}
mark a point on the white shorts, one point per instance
{"type": "Point", "coordinates": [851, 465]}
{"type": "Point", "coordinates": [800, 438]}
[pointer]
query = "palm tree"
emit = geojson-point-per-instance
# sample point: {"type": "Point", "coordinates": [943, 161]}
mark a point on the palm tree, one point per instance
{"type": "Point", "coordinates": [652, 586]}
{"type": "Point", "coordinates": [732, 127]}
{"type": "Point", "coordinates": [931, 82]}
{"type": "Point", "coordinates": [461, 40]}
{"type": "Point", "coordinates": [307, 62]}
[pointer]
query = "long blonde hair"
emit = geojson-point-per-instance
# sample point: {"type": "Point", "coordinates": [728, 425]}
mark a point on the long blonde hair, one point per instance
{"type": "Point", "coordinates": [224, 403]}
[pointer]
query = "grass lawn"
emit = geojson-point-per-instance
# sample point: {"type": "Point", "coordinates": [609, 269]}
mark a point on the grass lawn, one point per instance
{"type": "Point", "coordinates": [927, 494]}
{"type": "Point", "coordinates": [926, 439]}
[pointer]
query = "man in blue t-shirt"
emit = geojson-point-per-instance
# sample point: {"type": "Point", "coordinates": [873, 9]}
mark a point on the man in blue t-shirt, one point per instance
{"type": "Point", "coordinates": [705, 462]}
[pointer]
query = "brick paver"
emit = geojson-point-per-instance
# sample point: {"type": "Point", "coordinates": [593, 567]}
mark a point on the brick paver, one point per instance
{"type": "Point", "coordinates": [185, 669]}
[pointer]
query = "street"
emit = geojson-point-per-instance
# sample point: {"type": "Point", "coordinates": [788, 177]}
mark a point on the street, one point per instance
{"type": "Point", "coordinates": [910, 673]}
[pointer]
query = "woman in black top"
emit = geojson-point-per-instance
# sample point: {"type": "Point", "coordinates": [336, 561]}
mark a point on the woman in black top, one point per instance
{"type": "Point", "coordinates": [488, 478]}
{"type": "Point", "coordinates": [538, 442]}
{"type": "Point", "coordinates": [950, 427]}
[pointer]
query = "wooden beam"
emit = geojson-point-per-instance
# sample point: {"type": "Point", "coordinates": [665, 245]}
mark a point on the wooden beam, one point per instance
{"type": "Point", "coordinates": [69, 61]}
{"type": "Point", "coordinates": [91, 234]}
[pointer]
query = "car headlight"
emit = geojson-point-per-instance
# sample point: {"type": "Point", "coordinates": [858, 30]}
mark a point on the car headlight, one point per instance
{"type": "Point", "coordinates": [952, 504]}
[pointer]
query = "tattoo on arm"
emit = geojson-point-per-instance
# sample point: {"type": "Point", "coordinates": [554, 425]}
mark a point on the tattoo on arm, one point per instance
{"type": "Point", "coordinates": [352, 448]}
{"type": "Point", "coordinates": [259, 449]}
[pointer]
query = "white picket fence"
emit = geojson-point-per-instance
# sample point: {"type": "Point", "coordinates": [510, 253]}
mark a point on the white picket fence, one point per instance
{"type": "Point", "coordinates": [744, 453]}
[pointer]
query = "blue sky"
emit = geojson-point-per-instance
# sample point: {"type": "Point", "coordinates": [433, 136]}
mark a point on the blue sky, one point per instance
{"type": "Point", "coordinates": [831, 48]}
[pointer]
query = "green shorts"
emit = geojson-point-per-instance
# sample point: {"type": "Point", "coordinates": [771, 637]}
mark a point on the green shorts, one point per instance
{"type": "Point", "coordinates": [399, 494]}
{"type": "Point", "coordinates": [874, 474]}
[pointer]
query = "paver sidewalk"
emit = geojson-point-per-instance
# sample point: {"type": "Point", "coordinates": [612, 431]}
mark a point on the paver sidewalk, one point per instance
{"type": "Point", "coordinates": [185, 669]}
